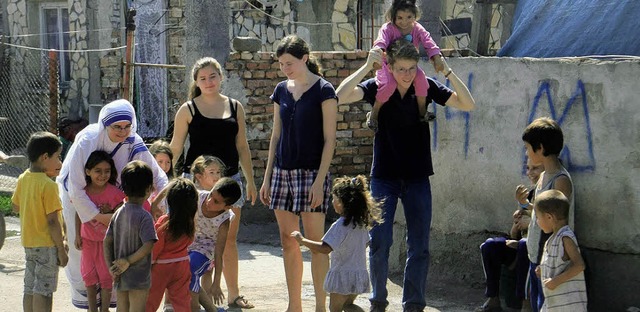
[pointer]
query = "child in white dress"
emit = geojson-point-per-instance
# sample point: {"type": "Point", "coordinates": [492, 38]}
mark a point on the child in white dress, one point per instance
{"type": "Point", "coordinates": [562, 267]}
{"type": "Point", "coordinates": [347, 241]}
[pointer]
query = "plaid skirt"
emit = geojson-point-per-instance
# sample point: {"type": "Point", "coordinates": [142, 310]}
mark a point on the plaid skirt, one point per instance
{"type": "Point", "coordinates": [290, 190]}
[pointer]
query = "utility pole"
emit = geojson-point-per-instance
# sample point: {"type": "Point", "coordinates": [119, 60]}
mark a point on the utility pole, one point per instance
{"type": "Point", "coordinates": [127, 81]}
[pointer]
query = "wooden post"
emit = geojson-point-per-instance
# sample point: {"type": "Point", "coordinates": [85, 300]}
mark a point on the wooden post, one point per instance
{"type": "Point", "coordinates": [127, 79]}
{"type": "Point", "coordinates": [481, 24]}
{"type": "Point", "coordinates": [481, 27]}
{"type": "Point", "coordinates": [53, 91]}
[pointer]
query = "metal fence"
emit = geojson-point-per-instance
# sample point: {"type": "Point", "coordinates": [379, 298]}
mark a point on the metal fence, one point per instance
{"type": "Point", "coordinates": [26, 95]}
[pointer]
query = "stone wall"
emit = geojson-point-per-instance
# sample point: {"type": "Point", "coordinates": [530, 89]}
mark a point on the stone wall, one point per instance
{"type": "Point", "coordinates": [250, 20]}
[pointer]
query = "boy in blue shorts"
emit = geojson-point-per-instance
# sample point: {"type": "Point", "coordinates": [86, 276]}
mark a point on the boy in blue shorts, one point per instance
{"type": "Point", "coordinates": [36, 199]}
{"type": "Point", "coordinates": [212, 225]}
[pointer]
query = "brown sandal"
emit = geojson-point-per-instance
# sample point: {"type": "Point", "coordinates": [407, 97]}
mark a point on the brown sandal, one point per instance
{"type": "Point", "coordinates": [241, 303]}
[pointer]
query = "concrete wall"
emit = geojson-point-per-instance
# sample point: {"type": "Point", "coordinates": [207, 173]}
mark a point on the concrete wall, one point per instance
{"type": "Point", "coordinates": [478, 159]}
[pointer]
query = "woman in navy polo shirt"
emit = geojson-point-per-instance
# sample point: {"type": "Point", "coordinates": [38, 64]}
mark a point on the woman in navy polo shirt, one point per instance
{"type": "Point", "coordinates": [402, 166]}
{"type": "Point", "coordinates": [296, 181]}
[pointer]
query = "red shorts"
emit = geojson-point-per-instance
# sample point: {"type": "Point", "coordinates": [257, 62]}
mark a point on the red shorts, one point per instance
{"type": "Point", "coordinates": [93, 268]}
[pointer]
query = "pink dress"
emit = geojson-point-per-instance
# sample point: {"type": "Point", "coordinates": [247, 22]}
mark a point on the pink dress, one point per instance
{"type": "Point", "coordinates": [93, 268]}
{"type": "Point", "coordinates": [387, 34]}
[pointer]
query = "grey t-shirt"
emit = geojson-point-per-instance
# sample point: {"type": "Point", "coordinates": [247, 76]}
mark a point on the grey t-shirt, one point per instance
{"type": "Point", "coordinates": [131, 227]}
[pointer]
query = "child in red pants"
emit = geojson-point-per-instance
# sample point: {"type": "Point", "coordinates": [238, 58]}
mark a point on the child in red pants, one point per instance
{"type": "Point", "coordinates": [170, 269]}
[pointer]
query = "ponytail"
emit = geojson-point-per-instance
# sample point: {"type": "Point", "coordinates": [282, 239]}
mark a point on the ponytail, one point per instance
{"type": "Point", "coordinates": [297, 47]}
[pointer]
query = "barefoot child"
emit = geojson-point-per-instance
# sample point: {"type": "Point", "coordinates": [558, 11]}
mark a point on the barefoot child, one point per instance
{"type": "Point", "coordinates": [401, 23]}
{"type": "Point", "coordinates": [170, 269]}
{"type": "Point", "coordinates": [562, 268]}
{"type": "Point", "coordinates": [101, 177]}
{"type": "Point", "coordinates": [347, 241]}
{"type": "Point", "coordinates": [36, 200]}
{"type": "Point", "coordinates": [130, 238]}
{"type": "Point", "coordinates": [212, 224]}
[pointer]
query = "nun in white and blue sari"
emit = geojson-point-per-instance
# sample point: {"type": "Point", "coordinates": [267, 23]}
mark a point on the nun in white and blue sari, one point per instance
{"type": "Point", "coordinates": [114, 133]}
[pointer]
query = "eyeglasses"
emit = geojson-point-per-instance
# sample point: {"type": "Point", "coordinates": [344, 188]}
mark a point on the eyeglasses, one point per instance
{"type": "Point", "coordinates": [119, 128]}
{"type": "Point", "coordinates": [410, 70]}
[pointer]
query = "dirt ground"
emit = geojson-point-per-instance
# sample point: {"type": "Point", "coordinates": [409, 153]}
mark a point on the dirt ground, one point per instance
{"type": "Point", "coordinates": [261, 278]}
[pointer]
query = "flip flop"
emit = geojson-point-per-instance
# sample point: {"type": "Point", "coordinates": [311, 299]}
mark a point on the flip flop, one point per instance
{"type": "Point", "coordinates": [241, 303]}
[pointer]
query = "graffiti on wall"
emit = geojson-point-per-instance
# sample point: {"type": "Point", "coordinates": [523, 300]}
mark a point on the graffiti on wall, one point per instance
{"type": "Point", "coordinates": [450, 114]}
{"type": "Point", "coordinates": [578, 102]}
{"type": "Point", "coordinates": [573, 117]}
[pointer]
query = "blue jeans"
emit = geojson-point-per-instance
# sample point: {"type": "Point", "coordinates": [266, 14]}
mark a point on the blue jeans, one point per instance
{"type": "Point", "coordinates": [416, 201]}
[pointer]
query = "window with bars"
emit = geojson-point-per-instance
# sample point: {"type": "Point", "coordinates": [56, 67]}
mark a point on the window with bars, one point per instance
{"type": "Point", "coordinates": [54, 25]}
{"type": "Point", "coordinates": [370, 17]}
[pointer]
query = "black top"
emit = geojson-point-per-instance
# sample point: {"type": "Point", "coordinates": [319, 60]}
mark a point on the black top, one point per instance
{"type": "Point", "coordinates": [215, 137]}
{"type": "Point", "coordinates": [401, 146]}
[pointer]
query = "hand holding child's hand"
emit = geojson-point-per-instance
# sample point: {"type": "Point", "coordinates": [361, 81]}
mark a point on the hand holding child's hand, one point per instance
{"type": "Point", "coordinates": [297, 235]}
{"type": "Point", "coordinates": [374, 59]}
{"type": "Point", "coordinates": [119, 266]}
{"type": "Point", "coordinates": [549, 283]}
{"type": "Point", "coordinates": [538, 271]}
{"type": "Point", "coordinates": [438, 63]}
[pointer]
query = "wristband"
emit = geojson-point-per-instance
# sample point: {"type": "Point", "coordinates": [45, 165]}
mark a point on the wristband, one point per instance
{"type": "Point", "coordinates": [524, 206]}
{"type": "Point", "coordinates": [448, 73]}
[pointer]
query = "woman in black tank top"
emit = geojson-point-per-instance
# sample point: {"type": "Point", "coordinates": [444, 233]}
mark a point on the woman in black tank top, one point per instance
{"type": "Point", "coordinates": [216, 126]}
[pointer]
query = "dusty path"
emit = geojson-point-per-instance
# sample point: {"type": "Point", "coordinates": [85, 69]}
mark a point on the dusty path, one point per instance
{"type": "Point", "coordinates": [261, 278]}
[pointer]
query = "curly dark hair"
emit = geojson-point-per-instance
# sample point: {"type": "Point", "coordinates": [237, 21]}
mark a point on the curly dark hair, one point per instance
{"type": "Point", "coordinates": [359, 207]}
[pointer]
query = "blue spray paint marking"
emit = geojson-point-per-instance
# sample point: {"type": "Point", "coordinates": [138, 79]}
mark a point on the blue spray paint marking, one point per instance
{"type": "Point", "coordinates": [450, 114]}
{"type": "Point", "coordinates": [565, 155]}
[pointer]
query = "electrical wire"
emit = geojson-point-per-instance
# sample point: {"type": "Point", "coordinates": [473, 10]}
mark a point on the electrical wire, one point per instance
{"type": "Point", "coordinates": [59, 32]}
{"type": "Point", "coordinates": [283, 20]}
{"type": "Point", "coordinates": [65, 51]}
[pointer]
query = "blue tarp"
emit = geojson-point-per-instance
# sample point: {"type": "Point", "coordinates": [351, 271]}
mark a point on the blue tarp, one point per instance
{"type": "Point", "coordinates": [555, 28]}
